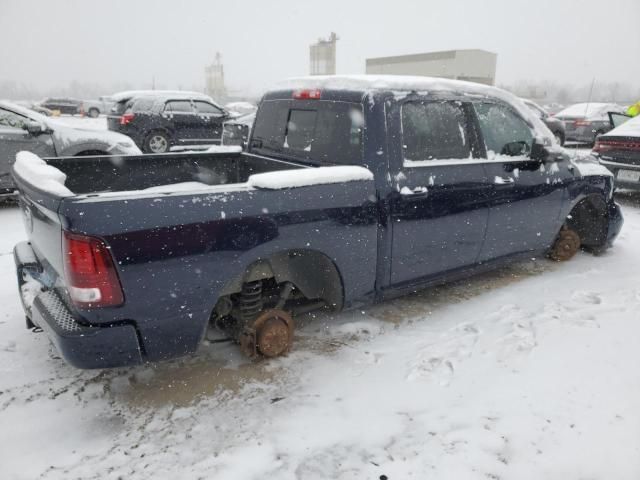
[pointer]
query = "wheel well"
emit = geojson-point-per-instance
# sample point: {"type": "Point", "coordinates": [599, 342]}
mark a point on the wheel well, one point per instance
{"type": "Point", "coordinates": [158, 130]}
{"type": "Point", "coordinates": [589, 219]}
{"type": "Point", "coordinates": [295, 266]}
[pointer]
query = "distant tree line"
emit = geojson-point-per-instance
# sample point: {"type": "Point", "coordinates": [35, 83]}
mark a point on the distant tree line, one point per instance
{"type": "Point", "coordinates": [548, 92]}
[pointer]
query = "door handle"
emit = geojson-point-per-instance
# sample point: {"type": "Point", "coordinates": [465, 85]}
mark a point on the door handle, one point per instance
{"type": "Point", "coordinates": [503, 180]}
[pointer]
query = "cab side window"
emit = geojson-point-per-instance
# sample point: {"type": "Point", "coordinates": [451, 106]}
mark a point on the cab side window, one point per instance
{"type": "Point", "coordinates": [178, 106]}
{"type": "Point", "coordinates": [434, 130]}
{"type": "Point", "coordinates": [11, 120]}
{"type": "Point", "coordinates": [504, 132]}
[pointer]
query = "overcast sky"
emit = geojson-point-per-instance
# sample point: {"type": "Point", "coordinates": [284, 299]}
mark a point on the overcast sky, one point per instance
{"type": "Point", "coordinates": [49, 43]}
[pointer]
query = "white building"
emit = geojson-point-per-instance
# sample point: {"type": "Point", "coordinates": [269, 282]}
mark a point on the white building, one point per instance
{"type": "Point", "coordinates": [470, 65]}
{"type": "Point", "coordinates": [322, 56]}
{"type": "Point", "coordinates": [214, 80]}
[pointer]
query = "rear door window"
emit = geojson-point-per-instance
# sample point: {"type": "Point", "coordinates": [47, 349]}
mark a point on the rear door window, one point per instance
{"type": "Point", "coordinates": [207, 108]}
{"type": "Point", "coordinates": [142, 105]}
{"type": "Point", "coordinates": [178, 106]}
{"type": "Point", "coordinates": [323, 131]}
{"type": "Point", "coordinates": [434, 130]}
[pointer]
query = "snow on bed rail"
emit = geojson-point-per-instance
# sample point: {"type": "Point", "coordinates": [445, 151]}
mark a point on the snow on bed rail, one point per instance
{"type": "Point", "coordinates": [224, 149]}
{"type": "Point", "coordinates": [304, 177]}
{"type": "Point", "coordinates": [45, 177]}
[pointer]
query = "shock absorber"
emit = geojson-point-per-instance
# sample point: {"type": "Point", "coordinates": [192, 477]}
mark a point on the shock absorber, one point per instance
{"type": "Point", "coordinates": [250, 301]}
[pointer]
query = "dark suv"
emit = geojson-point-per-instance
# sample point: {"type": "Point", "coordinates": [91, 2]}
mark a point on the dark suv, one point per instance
{"type": "Point", "coordinates": [158, 122]}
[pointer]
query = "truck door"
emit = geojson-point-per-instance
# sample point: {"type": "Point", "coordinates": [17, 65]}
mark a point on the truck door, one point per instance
{"type": "Point", "coordinates": [439, 209]}
{"type": "Point", "coordinates": [211, 119]}
{"type": "Point", "coordinates": [526, 196]}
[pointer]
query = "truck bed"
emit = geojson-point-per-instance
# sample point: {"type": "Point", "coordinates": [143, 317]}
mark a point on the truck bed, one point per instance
{"type": "Point", "coordinates": [181, 230]}
{"type": "Point", "coordinates": [99, 174]}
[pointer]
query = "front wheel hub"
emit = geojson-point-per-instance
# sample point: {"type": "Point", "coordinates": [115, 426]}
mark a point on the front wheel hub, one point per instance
{"type": "Point", "coordinates": [566, 246]}
{"type": "Point", "coordinates": [269, 335]}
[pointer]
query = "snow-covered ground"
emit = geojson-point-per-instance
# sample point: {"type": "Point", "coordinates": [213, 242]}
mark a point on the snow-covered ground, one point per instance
{"type": "Point", "coordinates": [529, 372]}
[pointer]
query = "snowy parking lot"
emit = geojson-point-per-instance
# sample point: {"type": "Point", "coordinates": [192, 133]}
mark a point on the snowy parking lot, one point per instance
{"type": "Point", "coordinates": [529, 372]}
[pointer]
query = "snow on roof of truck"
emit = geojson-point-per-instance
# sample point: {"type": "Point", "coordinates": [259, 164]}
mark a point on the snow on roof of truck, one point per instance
{"type": "Point", "coordinates": [386, 82]}
{"type": "Point", "coordinates": [407, 83]}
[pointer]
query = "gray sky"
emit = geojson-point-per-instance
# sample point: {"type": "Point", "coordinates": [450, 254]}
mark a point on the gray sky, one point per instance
{"type": "Point", "coordinates": [52, 42]}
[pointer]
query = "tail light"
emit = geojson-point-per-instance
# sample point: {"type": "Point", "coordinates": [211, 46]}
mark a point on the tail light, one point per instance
{"type": "Point", "coordinates": [582, 123]}
{"type": "Point", "coordinates": [307, 94]}
{"type": "Point", "coordinates": [90, 273]}
{"type": "Point", "coordinates": [126, 118]}
{"type": "Point", "coordinates": [609, 145]}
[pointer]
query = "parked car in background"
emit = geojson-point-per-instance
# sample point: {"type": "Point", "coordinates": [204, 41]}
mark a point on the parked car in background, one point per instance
{"type": "Point", "coordinates": [350, 193]}
{"type": "Point", "coordinates": [556, 126]}
{"type": "Point", "coordinates": [93, 108]}
{"type": "Point", "coordinates": [237, 131]}
{"type": "Point", "coordinates": [619, 151]}
{"type": "Point", "coordinates": [584, 122]}
{"type": "Point", "coordinates": [24, 129]}
{"type": "Point", "coordinates": [158, 121]}
{"type": "Point", "coordinates": [64, 106]}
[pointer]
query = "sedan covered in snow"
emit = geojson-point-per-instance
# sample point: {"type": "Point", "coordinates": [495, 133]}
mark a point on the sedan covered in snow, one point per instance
{"type": "Point", "coordinates": [24, 129]}
{"type": "Point", "coordinates": [585, 122]}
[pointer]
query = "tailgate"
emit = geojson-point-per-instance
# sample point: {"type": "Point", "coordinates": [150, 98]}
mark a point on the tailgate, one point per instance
{"type": "Point", "coordinates": [39, 208]}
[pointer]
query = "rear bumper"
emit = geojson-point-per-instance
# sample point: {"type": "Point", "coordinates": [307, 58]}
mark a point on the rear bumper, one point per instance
{"type": "Point", "coordinates": [584, 137]}
{"type": "Point", "coordinates": [81, 345]}
{"type": "Point", "coordinates": [615, 166]}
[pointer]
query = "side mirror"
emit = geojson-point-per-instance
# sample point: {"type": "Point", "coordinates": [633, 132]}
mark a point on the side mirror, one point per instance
{"type": "Point", "coordinates": [539, 151]}
{"type": "Point", "coordinates": [34, 128]}
{"type": "Point", "coordinates": [515, 149]}
{"type": "Point", "coordinates": [542, 153]}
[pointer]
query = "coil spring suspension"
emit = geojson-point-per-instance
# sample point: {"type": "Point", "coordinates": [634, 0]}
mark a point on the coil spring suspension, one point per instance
{"type": "Point", "coordinates": [250, 301]}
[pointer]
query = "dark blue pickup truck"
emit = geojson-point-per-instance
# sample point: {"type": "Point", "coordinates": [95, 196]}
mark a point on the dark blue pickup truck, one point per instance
{"type": "Point", "coordinates": [352, 190]}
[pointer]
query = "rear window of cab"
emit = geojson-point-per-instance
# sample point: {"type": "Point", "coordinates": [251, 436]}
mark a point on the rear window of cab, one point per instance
{"type": "Point", "coordinates": [321, 131]}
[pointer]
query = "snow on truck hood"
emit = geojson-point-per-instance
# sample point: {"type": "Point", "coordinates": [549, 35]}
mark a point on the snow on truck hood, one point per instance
{"type": "Point", "coordinates": [407, 83]}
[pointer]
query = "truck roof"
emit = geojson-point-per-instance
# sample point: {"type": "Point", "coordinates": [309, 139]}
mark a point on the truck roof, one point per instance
{"type": "Point", "coordinates": [368, 83]}
{"type": "Point", "coordinates": [360, 85]}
